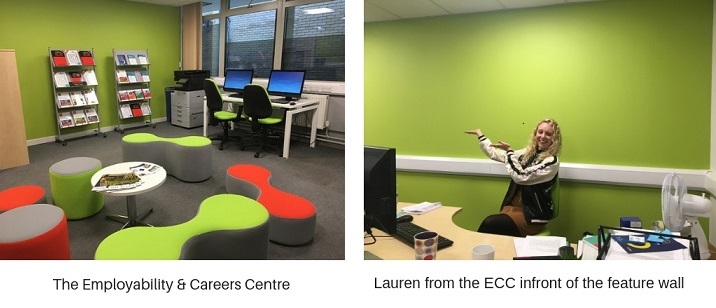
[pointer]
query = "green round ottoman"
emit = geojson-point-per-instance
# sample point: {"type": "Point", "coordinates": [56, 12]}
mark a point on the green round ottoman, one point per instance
{"type": "Point", "coordinates": [71, 187]}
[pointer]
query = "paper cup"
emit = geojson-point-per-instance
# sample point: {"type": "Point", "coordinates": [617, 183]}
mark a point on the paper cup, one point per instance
{"type": "Point", "coordinates": [426, 245]}
{"type": "Point", "coordinates": [483, 252]}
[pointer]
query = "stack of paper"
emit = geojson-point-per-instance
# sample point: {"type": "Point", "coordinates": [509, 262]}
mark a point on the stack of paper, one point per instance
{"type": "Point", "coordinates": [421, 208]}
{"type": "Point", "coordinates": [537, 246]}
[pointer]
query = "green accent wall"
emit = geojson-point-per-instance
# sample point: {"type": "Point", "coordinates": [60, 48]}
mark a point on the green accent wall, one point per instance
{"type": "Point", "coordinates": [628, 81]}
{"type": "Point", "coordinates": [31, 27]}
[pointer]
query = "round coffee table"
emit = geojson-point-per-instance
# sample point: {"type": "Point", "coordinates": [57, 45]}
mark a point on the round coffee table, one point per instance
{"type": "Point", "coordinates": [150, 182]}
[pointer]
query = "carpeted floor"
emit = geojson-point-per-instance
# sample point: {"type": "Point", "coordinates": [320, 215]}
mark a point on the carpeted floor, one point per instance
{"type": "Point", "coordinates": [316, 174]}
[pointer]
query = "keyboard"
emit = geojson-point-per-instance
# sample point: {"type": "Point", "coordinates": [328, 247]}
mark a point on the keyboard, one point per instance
{"type": "Point", "coordinates": [280, 101]}
{"type": "Point", "coordinates": [236, 95]}
{"type": "Point", "coordinates": [407, 230]}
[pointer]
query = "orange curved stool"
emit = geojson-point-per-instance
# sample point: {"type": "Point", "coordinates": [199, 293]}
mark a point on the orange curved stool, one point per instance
{"type": "Point", "coordinates": [34, 232]}
{"type": "Point", "coordinates": [292, 218]}
{"type": "Point", "coordinates": [18, 196]}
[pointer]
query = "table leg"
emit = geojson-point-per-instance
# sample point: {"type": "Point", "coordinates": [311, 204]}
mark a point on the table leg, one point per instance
{"type": "Point", "coordinates": [314, 125]}
{"type": "Point", "coordinates": [287, 133]}
{"type": "Point", "coordinates": [131, 219]}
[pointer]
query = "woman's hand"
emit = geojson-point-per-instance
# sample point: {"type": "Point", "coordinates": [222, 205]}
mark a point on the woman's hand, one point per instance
{"type": "Point", "coordinates": [476, 131]}
{"type": "Point", "coordinates": [502, 145]}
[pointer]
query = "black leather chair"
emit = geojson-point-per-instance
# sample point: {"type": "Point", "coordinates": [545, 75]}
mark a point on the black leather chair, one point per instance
{"type": "Point", "coordinates": [258, 110]}
{"type": "Point", "coordinates": [215, 105]}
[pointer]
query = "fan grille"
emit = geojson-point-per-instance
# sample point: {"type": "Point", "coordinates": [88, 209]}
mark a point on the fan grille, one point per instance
{"type": "Point", "coordinates": [672, 192]}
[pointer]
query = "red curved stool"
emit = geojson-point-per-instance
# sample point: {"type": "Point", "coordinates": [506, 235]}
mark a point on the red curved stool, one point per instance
{"type": "Point", "coordinates": [34, 232]}
{"type": "Point", "coordinates": [292, 218]}
{"type": "Point", "coordinates": [21, 195]}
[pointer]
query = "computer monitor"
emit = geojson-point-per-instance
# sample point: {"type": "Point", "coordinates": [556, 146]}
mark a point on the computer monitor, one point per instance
{"type": "Point", "coordinates": [286, 83]}
{"type": "Point", "coordinates": [235, 80]}
{"type": "Point", "coordinates": [379, 189]}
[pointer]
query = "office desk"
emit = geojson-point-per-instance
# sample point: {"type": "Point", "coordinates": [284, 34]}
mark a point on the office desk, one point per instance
{"type": "Point", "coordinates": [302, 105]}
{"type": "Point", "coordinates": [440, 221]}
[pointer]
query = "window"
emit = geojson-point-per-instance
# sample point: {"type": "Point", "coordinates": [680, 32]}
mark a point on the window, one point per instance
{"type": "Point", "coordinates": [314, 40]}
{"type": "Point", "coordinates": [210, 31]}
{"type": "Point", "coordinates": [246, 3]}
{"type": "Point", "coordinates": [250, 42]}
{"type": "Point", "coordinates": [275, 34]}
{"type": "Point", "coordinates": [210, 7]}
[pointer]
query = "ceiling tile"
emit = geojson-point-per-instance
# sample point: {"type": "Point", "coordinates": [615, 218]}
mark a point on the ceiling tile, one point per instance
{"type": "Point", "coordinates": [462, 6]}
{"type": "Point", "coordinates": [409, 8]}
{"type": "Point", "coordinates": [373, 13]}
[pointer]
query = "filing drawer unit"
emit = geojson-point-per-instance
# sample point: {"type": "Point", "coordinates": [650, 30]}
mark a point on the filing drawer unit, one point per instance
{"type": "Point", "coordinates": [187, 108]}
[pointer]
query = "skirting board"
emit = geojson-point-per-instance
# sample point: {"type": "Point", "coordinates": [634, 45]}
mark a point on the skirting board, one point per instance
{"type": "Point", "coordinates": [600, 174]}
{"type": "Point", "coordinates": [104, 129]}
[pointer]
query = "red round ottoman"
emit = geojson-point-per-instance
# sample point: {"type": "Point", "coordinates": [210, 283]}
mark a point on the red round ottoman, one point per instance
{"type": "Point", "coordinates": [21, 195]}
{"type": "Point", "coordinates": [34, 232]}
{"type": "Point", "coordinates": [292, 218]}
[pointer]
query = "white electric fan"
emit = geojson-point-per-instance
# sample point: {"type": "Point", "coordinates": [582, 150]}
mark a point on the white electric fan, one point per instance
{"type": "Point", "coordinates": [678, 207]}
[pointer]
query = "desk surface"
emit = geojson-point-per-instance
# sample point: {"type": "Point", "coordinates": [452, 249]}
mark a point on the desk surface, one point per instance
{"type": "Point", "coordinates": [440, 221]}
{"type": "Point", "coordinates": [303, 102]}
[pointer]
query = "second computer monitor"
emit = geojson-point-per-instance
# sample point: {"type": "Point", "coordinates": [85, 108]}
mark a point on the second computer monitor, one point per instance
{"type": "Point", "coordinates": [286, 83]}
{"type": "Point", "coordinates": [236, 79]}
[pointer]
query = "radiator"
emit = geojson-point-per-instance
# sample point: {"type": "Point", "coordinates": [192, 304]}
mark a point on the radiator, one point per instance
{"type": "Point", "coordinates": [304, 119]}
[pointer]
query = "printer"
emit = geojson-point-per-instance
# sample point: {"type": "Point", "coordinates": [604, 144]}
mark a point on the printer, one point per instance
{"type": "Point", "coordinates": [190, 80]}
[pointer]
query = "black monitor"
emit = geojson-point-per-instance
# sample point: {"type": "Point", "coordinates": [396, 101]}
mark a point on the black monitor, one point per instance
{"type": "Point", "coordinates": [286, 83]}
{"type": "Point", "coordinates": [380, 190]}
{"type": "Point", "coordinates": [235, 80]}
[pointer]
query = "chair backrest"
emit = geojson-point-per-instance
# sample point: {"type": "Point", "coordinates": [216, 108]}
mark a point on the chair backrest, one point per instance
{"type": "Point", "coordinates": [257, 103]}
{"type": "Point", "coordinates": [213, 96]}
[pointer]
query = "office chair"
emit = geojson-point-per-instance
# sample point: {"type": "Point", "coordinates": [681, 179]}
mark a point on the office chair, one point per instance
{"type": "Point", "coordinates": [215, 105]}
{"type": "Point", "coordinates": [258, 110]}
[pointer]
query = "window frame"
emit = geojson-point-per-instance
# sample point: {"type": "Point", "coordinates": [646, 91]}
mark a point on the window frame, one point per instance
{"type": "Point", "coordinates": [279, 5]}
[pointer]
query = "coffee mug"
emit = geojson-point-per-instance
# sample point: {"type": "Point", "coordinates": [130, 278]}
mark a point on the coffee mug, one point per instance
{"type": "Point", "coordinates": [483, 252]}
{"type": "Point", "coordinates": [426, 245]}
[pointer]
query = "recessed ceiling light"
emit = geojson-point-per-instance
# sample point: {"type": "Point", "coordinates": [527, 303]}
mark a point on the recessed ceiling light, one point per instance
{"type": "Point", "coordinates": [318, 11]}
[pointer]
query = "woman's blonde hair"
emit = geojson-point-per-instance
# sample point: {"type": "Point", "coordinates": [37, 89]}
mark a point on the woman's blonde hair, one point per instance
{"type": "Point", "coordinates": [553, 150]}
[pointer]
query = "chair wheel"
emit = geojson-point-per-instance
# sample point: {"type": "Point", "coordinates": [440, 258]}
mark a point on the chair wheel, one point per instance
{"type": "Point", "coordinates": [256, 155]}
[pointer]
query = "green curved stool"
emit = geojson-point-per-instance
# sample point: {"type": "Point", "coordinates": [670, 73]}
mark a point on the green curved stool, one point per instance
{"type": "Point", "coordinates": [187, 158]}
{"type": "Point", "coordinates": [225, 227]}
{"type": "Point", "coordinates": [71, 187]}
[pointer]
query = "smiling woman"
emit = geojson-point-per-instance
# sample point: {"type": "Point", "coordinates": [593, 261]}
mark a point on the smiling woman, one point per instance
{"type": "Point", "coordinates": [531, 199]}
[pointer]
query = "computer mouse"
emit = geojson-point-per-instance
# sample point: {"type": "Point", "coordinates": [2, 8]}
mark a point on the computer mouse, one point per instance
{"type": "Point", "coordinates": [404, 218]}
{"type": "Point", "coordinates": [292, 103]}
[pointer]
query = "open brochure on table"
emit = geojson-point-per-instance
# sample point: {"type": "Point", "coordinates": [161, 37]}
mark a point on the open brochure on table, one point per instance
{"type": "Point", "coordinates": [117, 181]}
{"type": "Point", "coordinates": [144, 169]}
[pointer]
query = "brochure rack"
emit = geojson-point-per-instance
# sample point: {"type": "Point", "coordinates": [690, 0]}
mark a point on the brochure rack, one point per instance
{"type": "Point", "coordinates": [75, 91]}
{"type": "Point", "coordinates": [131, 72]}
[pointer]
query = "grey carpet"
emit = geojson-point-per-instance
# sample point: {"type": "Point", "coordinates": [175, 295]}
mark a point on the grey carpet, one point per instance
{"type": "Point", "coordinates": [316, 174]}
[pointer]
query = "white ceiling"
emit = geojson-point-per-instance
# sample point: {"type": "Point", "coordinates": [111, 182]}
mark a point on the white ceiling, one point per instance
{"type": "Point", "coordinates": [384, 10]}
{"type": "Point", "coordinates": [167, 2]}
